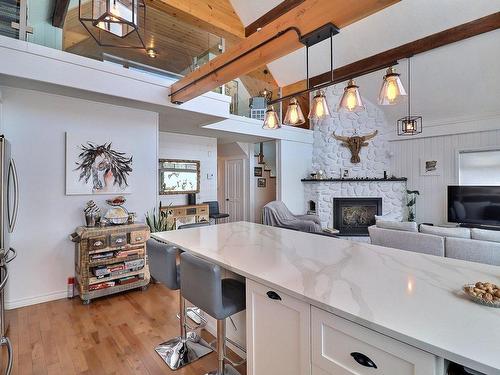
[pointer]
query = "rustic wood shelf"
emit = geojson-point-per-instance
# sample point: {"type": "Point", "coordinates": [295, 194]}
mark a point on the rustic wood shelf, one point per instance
{"type": "Point", "coordinates": [90, 241]}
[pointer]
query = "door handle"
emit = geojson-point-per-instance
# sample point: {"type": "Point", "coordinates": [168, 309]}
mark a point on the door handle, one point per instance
{"type": "Point", "coordinates": [363, 360]}
{"type": "Point", "coordinates": [273, 295]}
{"type": "Point", "coordinates": [14, 255]}
{"type": "Point", "coordinates": [6, 277]}
{"type": "Point", "coordinates": [227, 199]}
{"type": "Point", "coordinates": [13, 172]}
{"type": "Point", "coordinates": [5, 341]}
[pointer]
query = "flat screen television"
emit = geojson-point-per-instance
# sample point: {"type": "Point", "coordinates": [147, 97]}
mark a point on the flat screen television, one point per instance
{"type": "Point", "coordinates": [474, 205]}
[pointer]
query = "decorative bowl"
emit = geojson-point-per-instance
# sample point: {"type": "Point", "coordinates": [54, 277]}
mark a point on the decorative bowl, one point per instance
{"type": "Point", "coordinates": [475, 298]}
{"type": "Point", "coordinates": [116, 215]}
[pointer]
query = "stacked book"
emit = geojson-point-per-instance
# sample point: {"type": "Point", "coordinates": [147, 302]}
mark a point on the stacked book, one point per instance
{"type": "Point", "coordinates": [118, 268]}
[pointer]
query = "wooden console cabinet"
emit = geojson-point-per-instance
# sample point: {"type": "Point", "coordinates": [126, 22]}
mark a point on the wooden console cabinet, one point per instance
{"type": "Point", "coordinates": [179, 215]}
{"type": "Point", "coordinates": [110, 259]}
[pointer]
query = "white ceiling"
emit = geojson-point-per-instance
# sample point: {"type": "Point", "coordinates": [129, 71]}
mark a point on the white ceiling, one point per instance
{"type": "Point", "coordinates": [454, 81]}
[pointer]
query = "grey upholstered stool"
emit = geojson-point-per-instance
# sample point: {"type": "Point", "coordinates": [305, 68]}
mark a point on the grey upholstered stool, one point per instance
{"type": "Point", "coordinates": [187, 347]}
{"type": "Point", "coordinates": [202, 284]}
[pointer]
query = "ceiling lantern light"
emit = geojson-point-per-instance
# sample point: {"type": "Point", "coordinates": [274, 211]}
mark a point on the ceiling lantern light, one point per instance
{"type": "Point", "coordinates": [351, 100]}
{"type": "Point", "coordinates": [271, 120]}
{"type": "Point", "coordinates": [410, 124]}
{"type": "Point", "coordinates": [109, 22]}
{"type": "Point", "coordinates": [392, 89]}
{"type": "Point", "coordinates": [319, 108]}
{"type": "Point", "coordinates": [294, 115]}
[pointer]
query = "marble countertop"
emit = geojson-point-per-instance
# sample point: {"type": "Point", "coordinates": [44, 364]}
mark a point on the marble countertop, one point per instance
{"type": "Point", "coordinates": [414, 298]}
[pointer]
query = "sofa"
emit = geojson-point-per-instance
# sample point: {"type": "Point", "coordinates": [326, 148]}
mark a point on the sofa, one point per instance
{"type": "Point", "coordinates": [471, 244]}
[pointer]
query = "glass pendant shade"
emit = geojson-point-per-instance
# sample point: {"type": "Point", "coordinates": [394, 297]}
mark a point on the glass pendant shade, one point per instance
{"type": "Point", "coordinates": [351, 100]}
{"type": "Point", "coordinates": [271, 120]}
{"type": "Point", "coordinates": [294, 115]}
{"type": "Point", "coordinates": [392, 89]}
{"type": "Point", "coordinates": [319, 107]}
{"type": "Point", "coordinates": [118, 19]}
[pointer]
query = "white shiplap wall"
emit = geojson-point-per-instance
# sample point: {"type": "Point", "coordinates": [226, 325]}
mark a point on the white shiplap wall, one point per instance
{"type": "Point", "coordinates": [431, 205]}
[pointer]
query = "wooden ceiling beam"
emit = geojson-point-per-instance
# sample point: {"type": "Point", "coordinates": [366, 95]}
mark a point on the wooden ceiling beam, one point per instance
{"type": "Point", "coordinates": [59, 14]}
{"type": "Point", "coordinates": [270, 16]}
{"type": "Point", "coordinates": [428, 43]}
{"type": "Point", "coordinates": [217, 17]}
{"type": "Point", "coordinates": [250, 53]}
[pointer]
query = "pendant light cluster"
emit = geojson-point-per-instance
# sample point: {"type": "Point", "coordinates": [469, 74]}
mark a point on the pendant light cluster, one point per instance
{"type": "Point", "coordinates": [390, 94]}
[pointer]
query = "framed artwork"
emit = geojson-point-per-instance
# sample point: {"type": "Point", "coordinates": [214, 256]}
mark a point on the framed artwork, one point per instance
{"type": "Point", "coordinates": [179, 176]}
{"type": "Point", "coordinates": [96, 165]}
{"type": "Point", "coordinates": [430, 167]}
{"type": "Point", "coordinates": [261, 182]}
{"type": "Point", "coordinates": [257, 171]}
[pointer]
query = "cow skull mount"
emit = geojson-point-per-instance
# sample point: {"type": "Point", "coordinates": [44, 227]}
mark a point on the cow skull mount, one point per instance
{"type": "Point", "coordinates": [355, 143]}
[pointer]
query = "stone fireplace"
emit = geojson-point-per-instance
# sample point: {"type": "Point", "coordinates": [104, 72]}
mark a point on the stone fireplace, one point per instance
{"type": "Point", "coordinates": [353, 216]}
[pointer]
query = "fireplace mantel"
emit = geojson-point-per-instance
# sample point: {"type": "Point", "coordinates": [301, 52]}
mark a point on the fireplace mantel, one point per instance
{"type": "Point", "coordinates": [401, 179]}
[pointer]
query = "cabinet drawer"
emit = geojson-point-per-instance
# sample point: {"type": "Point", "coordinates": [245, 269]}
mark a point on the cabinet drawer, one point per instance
{"type": "Point", "coordinates": [342, 347]}
{"type": "Point", "coordinates": [179, 212]}
{"type": "Point", "coordinates": [202, 210]}
{"type": "Point", "coordinates": [137, 237]}
{"type": "Point", "coordinates": [116, 240]}
{"type": "Point", "coordinates": [97, 243]}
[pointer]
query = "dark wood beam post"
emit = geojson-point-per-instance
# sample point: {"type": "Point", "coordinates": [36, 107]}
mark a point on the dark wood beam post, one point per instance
{"type": "Point", "coordinates": [270, 16]}
{"type": "Point", "coordinates": [60, 11]}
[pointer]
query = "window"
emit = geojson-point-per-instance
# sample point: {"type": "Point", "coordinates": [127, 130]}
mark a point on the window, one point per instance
{"type": "Point", "coordinates": [479, 167]}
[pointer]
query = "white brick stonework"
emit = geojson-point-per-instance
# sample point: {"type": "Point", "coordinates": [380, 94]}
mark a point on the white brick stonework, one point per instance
{"type": "Point", "coordinates": [330, 156]}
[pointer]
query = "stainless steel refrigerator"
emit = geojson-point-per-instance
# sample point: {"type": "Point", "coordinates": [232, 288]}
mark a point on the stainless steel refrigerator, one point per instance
{"type": "Point", "coordinates": [9, 206]}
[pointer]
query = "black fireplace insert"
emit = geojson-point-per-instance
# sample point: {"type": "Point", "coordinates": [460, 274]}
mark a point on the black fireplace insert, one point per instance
{"type": "Point", "coordinates": [353, 216]}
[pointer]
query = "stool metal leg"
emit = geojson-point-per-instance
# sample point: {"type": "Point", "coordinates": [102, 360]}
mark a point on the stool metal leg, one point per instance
{"type": "Point", "coordinates": [223, 368]}
{"type": "Point", "coordinates": [184, 349]}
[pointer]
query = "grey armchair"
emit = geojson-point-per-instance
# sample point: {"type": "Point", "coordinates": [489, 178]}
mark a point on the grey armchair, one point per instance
{"type": "Point", "coordinates": [277, 214]}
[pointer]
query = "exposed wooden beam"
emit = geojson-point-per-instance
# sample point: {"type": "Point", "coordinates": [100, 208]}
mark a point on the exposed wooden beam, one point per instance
{"type": "Point", "coordinates": [250, 53]}
{"type": "Point", "coordinates": [442, 38]}
{"type": "Point", "coordinates": [217, 17]}
{"type": "Point", "coordinates": [270, 16]}
{"type": "Point", "coordinates": [59, 14]}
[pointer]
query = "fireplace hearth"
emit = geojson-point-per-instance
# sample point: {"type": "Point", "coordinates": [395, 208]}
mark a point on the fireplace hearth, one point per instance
{"type": "Point", "coordinates": [353, 216]}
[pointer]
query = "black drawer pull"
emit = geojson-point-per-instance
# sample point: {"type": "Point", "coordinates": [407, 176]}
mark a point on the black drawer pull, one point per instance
{"type": "Point", "coordinates": [363, 360]}
{"type": "Point", "coordinates": [273, 295]}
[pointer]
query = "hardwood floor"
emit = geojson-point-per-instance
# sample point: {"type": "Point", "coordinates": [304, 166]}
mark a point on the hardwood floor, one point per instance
{"type": "Point", "coordinates": [112, 335]}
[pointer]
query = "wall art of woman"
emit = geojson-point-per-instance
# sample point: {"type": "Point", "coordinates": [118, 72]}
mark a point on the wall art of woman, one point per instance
{"type": "Point", "coordinates": [108, 169]}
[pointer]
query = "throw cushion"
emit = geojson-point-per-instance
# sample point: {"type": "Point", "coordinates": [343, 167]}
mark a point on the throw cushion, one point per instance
{"type": "Point", "coordinates": [485, 235]}
{"type": "Point", "coordinates": [408, 226]}
{"type": "Point", "coordinates": [445, 232]}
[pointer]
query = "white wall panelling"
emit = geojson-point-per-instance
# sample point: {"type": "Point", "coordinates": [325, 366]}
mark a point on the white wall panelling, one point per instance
{"type": "Point", "coordinates": [431, 204]}
{"type": "Point", "coordinates": [190, 147]}
{"type": "Point", "coordinates": [35, 124]}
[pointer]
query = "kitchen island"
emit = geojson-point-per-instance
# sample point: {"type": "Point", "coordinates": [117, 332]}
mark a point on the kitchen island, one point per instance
{"type": "Point", "coordinates": [341, 302]}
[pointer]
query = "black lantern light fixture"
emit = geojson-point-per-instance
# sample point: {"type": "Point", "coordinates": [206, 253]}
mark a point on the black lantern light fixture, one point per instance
{"type": "Point", "coordinates": [114, 23]}
{"type": "Point", "coordinates": [410, 124]}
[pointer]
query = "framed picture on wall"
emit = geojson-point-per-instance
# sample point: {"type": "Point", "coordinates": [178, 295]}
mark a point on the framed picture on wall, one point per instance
{"type": "Point", "coordinates": [261, 182]}
{"type": "Point", "coordinates": [96, 165]}
{"type": "Point", "coordinates": [430, 167]}
{"type": "Point", "coordinates": [257, 171]}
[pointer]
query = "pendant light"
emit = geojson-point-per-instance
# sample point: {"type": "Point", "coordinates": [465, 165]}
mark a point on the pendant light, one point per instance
{"type": "Point", "coordinates": [294, 115]}
{"type": "Point", "coordinates": [111, 22]}
{"type": "Point", "coordinates": [392, 89]}
{"type": "Point", "coordinates": [351, 100]}
{"type": "Point", "coordinates": [409, 125]}
{"type": "Point", "coordinates": [271, 120]}
{"type": "Point", "coordinates": [319, 107]}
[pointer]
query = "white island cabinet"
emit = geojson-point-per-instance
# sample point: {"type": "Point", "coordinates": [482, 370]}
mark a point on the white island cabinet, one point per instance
{"type": "Point", "coordinates": [278, 332]}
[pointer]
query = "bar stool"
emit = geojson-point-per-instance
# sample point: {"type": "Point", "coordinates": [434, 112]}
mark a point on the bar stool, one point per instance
{"type": "Point", "coordinates": [188, 347]}
{"type": "Point", "coordinates": [202, 284]}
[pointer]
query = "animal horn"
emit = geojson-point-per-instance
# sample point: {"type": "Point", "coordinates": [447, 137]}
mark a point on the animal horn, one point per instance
{"type": "Point", "coordinates": [370, 136]}
{"type": "Point", "coordinates": [340, 137]}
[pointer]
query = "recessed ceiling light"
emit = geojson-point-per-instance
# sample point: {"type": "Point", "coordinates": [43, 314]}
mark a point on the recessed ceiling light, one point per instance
{"type": "Point", "coordinates": [152, 53]}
